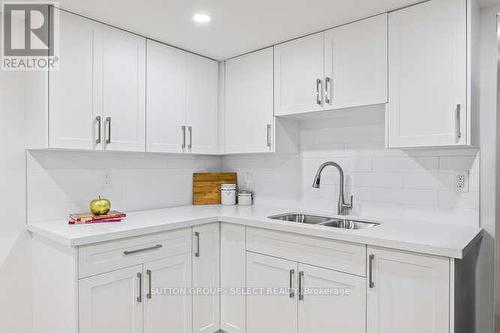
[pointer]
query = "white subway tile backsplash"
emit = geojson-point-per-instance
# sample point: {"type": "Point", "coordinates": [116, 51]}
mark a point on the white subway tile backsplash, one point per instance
{"type": "Point", "coordinates": [405, 164]}
{"type": "Point", "coordinates": [403, 185]}
{"type": "Point", "coordinates": [378, 180]}
{"type": "Point", "coordinates": [60, 182]}
{"type": "Point", "coordinates": [431, 180]}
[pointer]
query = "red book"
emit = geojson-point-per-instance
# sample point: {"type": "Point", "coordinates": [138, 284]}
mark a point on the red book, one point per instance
{"type": "Point", "coordinates": [82, 218]}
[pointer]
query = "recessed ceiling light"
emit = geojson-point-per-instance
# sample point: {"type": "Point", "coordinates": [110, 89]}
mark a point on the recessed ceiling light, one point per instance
{"type": "Point", "coordinates": [201, 18]}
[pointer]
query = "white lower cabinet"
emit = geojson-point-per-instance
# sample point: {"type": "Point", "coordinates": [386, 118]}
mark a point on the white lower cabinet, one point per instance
{"type": "Point", "coordinates": [111, 302]}
{"type": "Point", "coordinates": [332, 301]}
{"type": "Point", "coordinates": [271, 307]}
{"type": "Point", "coordinates": [291, 297]}
{"type": "Point", "coordinates": [206, 312]}
{"type": "Point", "coordinates": [407, 292]}
{"type": "Point", "coordinates": [146, 285]}
{"type": "Point", "coordinates": [232, 278]}
{"type": "Point", "coordinates": [167, 304]}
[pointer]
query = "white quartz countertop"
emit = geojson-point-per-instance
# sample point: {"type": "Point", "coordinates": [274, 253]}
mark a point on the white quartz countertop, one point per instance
{"type": "Point", "coordinates": [430, 238]}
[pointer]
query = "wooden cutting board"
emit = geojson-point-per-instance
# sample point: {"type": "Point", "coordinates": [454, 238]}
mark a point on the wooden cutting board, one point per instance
{"type": "Point", "coordinates": [206, 186]}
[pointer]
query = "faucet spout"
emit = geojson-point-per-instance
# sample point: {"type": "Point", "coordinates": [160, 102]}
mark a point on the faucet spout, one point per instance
{"type": "Point", "coordinates": [342, 207]}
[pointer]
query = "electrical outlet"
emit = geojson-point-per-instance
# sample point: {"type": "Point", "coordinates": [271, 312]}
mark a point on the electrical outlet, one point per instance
{"type": "Point", "coordinates": [107, 178]}
{"type": "Point", "coordinates": [462, 181]}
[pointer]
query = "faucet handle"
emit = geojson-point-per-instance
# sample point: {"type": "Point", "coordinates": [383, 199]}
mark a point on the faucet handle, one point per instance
{"type": "Point", "coordinates": [350, 204]}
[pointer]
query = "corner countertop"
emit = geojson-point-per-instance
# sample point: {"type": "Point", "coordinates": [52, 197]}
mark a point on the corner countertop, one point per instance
{"type": "Point", "coordinates": [428, 238]}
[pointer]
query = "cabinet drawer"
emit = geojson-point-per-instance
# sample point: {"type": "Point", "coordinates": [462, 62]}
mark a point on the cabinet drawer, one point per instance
{"type": "Point", "coordinates": [109, 256]}
{"type": "Point", "coordinates": [336, 255]}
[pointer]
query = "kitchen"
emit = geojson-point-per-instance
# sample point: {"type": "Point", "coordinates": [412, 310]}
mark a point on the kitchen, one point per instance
{"type": "Point", "coordinates": [363, 141]}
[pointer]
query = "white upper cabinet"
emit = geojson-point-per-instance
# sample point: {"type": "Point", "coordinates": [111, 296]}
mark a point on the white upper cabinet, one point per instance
{"type": "Point", "coordinates": [342, 67]}
{"type": "Point", "coordinates": [122, 72]}
{"type": "Point", "coordinates": [202, 91]}
{"type": "Point", "coordinates": [356, 64]}
{"type": "Point", "coordinates": [248, 115]}
{"type": "Point", "coordinates": [97, 97]}
{"type": "Point", "coordinates": [407, 292]}
{"type": "Point", "coordinates": [181, 101]}
{"type": "Point", "coordinates": [166, 99]}
{"type": "Point", "coordinates": [428, 75]}
{"type": "Point", "coordinates": [298, 75]}
{"type": "Point", "coordinates": [73, 110]}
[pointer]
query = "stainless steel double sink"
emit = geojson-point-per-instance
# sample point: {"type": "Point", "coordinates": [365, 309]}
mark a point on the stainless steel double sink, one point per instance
{"type": "Point", "coordinates": [326, 221]}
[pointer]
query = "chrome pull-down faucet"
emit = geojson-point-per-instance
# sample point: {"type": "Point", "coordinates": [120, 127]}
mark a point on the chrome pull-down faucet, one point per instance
{"type": "Point", "coordinates": [343, 207]}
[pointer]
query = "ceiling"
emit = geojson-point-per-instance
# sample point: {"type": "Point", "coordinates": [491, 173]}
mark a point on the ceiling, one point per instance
{"type": "Point", "coordinates": [237, 26]}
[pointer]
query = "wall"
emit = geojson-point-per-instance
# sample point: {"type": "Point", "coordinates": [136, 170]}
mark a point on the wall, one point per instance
{"type": "Point", "coordinates": [15, 243]}
{"type": "Point", "coordinates": [62, 182]}
{"type": "Point", "coordinates": [386, 183]}
{"type": "Point", "coordinates": [489, 171]}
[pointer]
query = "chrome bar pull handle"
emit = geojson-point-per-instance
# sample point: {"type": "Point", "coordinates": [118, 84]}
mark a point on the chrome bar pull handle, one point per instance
{"type": "Point", "coordinates": [301, 286]}
{"type": "Point", "coordinates": [268, 135]}
{"type": "Point", "coordinates": [139, 277]}
{"type": "Point", "coordinates": [371, 284]}
{"type": "Point", "coordinates": [108, 122]}
{"type": "Point", "coordinates": [183, 128]}
{"type": "Point", "coordinates": [148, 273]}
{"type": "Point", "coordinates": [292, 291]}
{"type": "Point", "coordinates": [129, 252]}
{"type": "Point", "coordinates": [99, 125]}
{"type": "Point", "coordinates": [327, 90]}
{"type": "Point", "coordinates": [197, 253]}
{"type": "Point", "coordinates": [318, 92]}
{"type": "Point", "coordinates": [458, 122]}
{"type": "Point", "coordinates": [190, 129]}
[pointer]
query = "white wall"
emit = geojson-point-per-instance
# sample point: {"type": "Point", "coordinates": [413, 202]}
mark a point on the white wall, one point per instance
{"type": "Point", "coordinates": [386, 183]}
{"type": "Point", "coordinates": [15, 244]}
{"type": "Point", "coordinates": [489, 170]}
{"type": "Point", "coordinates": [61, 182]}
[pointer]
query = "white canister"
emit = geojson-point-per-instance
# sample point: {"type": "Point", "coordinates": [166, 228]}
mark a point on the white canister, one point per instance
{"type": "Point", "coordinates": [245, 198]}
{"type": "Point", "coordinates": [228, 194]}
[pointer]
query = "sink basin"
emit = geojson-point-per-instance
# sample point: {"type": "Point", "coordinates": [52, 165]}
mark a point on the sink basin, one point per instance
{"type": "Point", "coordinates": [324, 221]}
{"type": "Point", "coordinates": [349, 224]}
{"type": "Point", "coordinates": [301, 218]}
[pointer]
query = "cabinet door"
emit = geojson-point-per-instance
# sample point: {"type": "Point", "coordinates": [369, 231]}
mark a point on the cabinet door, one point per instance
{"type": "Point", "coordinates": [206, 278]}
{"type": "Point", "coordinates": [410, 293]}
{"type": "Point", "coordinates": [201, 104]}
{"type": "Point", "coordinates": [72, 108]}
{"type": "Point", "coordinates": [298, 75]}
{"type": "Point", "coordinates": [267, 311]}
{"type": "Point", "coordinates": [166, 98]}
{"type": "Point", "coordinates": [427, 75]}
{"type": "Point", "coordinates": [356, 64]}
{"type": "Point", "coordinates": [123, 79]}
{"type": "Point", "coordinates": [248, 115]}
{"type": "Point", "coordinates": [233, 257]}
{"type": "Point", "coordinates": [112, 302]}
{"type": "Point", "coordinates": [167, 303]}
{"type": "Point", "coordinates": [332, 301]}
